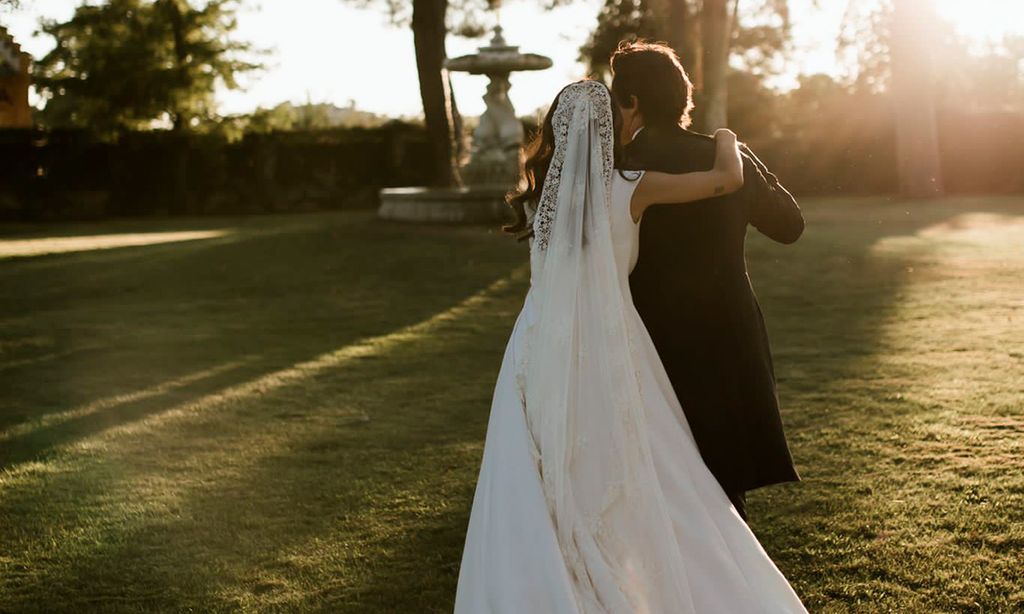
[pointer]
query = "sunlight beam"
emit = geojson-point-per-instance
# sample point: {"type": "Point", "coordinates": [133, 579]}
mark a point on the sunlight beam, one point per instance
{"type": "Point", "coordinates": [24, 248]}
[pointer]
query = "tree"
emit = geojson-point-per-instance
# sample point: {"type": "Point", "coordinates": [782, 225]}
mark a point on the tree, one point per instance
{"type": "Point", "coordinates": [129, 64]}
{"type": "Point", "coordinates": [716, 36]}
{"type": "Point", "coordinates": [706, 34]}
{"type": "Point", "coordinates": [672, 21]}
{"type": "Point", "coordinates": [431, 22]}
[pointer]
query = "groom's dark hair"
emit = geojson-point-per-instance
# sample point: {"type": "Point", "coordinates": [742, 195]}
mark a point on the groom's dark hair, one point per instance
{"type": "Point", "coordinates": [652, 72]}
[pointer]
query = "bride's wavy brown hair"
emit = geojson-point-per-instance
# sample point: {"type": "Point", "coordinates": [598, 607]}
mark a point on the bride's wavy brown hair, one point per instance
{"type": "Point", "coordinates": [537, 160]}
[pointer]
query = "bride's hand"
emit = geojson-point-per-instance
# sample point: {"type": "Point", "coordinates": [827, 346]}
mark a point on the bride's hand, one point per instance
{"type": "Point", "coordinates": [724, 178]}
{"type": "Point", "coordinates": [725, 134]}
{"type": "Point", "coordinates": [728, 160]}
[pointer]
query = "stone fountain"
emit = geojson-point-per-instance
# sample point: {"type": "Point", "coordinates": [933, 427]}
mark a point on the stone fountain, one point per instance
{"type": "Point", "coordinates": [494, 156]}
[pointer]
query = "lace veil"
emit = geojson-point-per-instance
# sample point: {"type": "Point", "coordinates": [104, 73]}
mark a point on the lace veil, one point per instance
{"type": "Point", "coordinates": [584, 405]}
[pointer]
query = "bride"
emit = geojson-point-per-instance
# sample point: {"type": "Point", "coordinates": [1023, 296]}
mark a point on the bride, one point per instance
{"type": "Point", "coordinates": [592, 497]}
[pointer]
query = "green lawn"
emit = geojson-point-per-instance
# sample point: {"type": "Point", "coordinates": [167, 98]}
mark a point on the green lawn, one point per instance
{"type": "Point", "coordinates": [287, 413]}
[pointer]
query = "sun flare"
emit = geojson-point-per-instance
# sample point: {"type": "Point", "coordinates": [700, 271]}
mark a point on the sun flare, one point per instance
{"type": "Point", "coordinates": [983, 21]}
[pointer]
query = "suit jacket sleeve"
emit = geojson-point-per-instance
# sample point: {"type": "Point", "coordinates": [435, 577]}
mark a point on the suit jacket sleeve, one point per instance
{"type": "Point", "coordinates": [770, 207]}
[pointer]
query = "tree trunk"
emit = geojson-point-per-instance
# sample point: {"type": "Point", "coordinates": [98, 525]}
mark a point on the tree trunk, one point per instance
{"type": "Point", "coordinates": [683, 35]}
{"type": "Point", "coordinates": [176, 21]}
{"type": "Point", "coordinates": [920, 168]}
{"type": "Point", "coordinates": [179, 196]}
{"type": "Point", "coordinates": [716, 33]}
{"type": "Point", "coordinates": [429, 30]}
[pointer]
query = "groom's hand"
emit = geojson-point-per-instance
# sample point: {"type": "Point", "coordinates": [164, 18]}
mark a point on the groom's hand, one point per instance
{"type": "Point", "coordinates": [770, 207]}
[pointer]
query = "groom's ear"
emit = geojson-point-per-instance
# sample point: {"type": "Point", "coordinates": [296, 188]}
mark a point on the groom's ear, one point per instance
{"type": "Point", "coordinates": [633, 102]}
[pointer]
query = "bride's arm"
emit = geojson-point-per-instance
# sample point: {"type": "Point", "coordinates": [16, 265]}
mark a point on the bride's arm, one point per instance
{"type": "Point", "coordinates": [724, 178]}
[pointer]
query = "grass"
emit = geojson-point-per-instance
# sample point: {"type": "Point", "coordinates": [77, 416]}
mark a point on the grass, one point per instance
{"type": "Point", "coordinates": [287, 413]}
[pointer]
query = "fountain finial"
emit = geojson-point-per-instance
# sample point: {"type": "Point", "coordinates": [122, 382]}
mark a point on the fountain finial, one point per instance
{"type": "Point", "coordinates": [498, 40]}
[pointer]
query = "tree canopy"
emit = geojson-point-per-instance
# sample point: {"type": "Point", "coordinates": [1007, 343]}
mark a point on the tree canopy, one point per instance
{"type": "Point", "coordinates": [136, 64]}
{"type": "Point", "coordinates": [706, 35]}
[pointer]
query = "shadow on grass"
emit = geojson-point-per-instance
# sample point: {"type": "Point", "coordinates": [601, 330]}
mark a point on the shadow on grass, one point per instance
{"type": "Point", "coordinates": [90, 329]}
{"type": "Point", "coordinates": [149, 320]}
{"type": "Point", "coordinates": [852, 536]}
{"type": "Point", "coordinates": [349, 490]}
{"type": "Point", "coordinates": [242, 506]}
{"type": "Point", "coordinates": [33, 440]}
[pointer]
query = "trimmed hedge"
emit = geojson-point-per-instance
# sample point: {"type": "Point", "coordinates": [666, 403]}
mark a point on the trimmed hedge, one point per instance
{"type": "Point", "coordinates": [71, 174]}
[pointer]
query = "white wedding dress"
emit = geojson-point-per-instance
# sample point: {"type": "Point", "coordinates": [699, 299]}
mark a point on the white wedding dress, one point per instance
{"type": "Point", "coordinates": [592, 496]}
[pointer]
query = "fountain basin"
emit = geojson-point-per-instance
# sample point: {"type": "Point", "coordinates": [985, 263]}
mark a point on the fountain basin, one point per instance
{"type": "Point", "coordinates": [473, 205]}
{"type": "Point", "coordinates": [498, 61]}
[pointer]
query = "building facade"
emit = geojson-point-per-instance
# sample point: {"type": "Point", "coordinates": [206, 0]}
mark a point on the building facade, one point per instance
{"type": "Point", "coordinates": [15, 111]}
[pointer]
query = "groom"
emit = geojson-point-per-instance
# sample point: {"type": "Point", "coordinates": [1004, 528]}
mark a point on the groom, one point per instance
{"type": "Point", "coordinates": [690, 284]}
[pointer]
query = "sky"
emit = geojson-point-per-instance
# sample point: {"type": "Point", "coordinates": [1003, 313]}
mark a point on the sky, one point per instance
{"type": "Point", "coordinates": [332, 51]}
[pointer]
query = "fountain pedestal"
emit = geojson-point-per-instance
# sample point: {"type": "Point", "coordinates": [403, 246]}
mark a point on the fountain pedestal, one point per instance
{"type": "Point", "coordinates": [494, 160]}
{"type": "Point", "coordinates": [476, 205]}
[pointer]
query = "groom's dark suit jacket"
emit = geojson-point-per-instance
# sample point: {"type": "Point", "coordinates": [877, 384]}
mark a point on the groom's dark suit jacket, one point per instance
{"type": "Point", "coordinates": [692, 290]}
